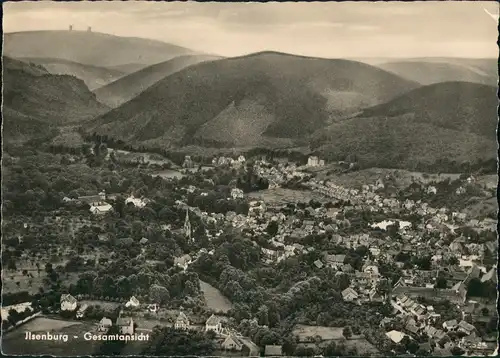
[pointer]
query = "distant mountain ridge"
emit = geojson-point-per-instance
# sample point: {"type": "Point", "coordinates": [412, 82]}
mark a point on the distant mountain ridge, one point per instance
{"type": "Point", "coordinates": [90, 48]}
{"type": "Point", "coordinates": [434, 72]}
{"type": "Point", "coordinates": [35, 101]}
{"type": "Point", "coordinates": [290, 95]}
{"type": "Point", "coordinates": [93, 76]}
{"type": "Point", "coordinates": [128, 87]}
{"type": "Point", "coordinates": [452, 121]}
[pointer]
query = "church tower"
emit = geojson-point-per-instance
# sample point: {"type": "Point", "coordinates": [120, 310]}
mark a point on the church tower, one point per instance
{"type": "Point", "coordinates": [187, 226]}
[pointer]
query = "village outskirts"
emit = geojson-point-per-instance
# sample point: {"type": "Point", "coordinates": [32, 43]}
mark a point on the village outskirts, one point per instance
{"type": "Point", "coordinates": [260, 254]}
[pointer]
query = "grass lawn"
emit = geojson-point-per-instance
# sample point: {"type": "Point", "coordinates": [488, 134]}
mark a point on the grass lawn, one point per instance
{"type": "Point", "coordinates": [214, 298]}
{"type": "Point", "coordinates": [362, 346]}
{"type": "Point", "coordinates": [14, 343]}
{"type": "Point", "coordinates": [326, 333]}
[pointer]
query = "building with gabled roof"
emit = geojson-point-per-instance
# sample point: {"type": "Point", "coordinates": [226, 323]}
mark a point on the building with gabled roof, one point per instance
{"type": "Point", "coordinates": [395, 336]}
{"type": "Point", "coordinates": [68, 302]}
{"type": "Point", "coordinates": [491, 275]}
{"type": "Point", "coordinates": [232, 343]}
{"type": "Point", "coordinates": [349, 294]}
{"type": "Point", "coordinates": [125, 325]}
{"type": "Point", "coordinates": [465, 327]}
{"type": "Point", "coordinates": [213, 323]}
{"type": "Point", "coordinates": [182, 321]}
{"type": "Point", "coordinates": [104, 324]}
{"type": "Point", "coordinates": [450, 325]}
{"type": "Point", "coordinates": [132, 302]}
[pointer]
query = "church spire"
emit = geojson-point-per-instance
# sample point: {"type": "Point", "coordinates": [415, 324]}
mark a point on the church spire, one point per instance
{"type": "Point", "coordinates": [187, 226]}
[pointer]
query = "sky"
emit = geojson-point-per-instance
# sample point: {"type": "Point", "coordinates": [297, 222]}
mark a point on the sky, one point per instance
{"type": "Point", "coordinates": [332, 30]}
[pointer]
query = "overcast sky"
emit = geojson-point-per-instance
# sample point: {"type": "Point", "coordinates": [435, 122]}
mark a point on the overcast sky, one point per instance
{"type": "Point", "coordinates": [382, 29]}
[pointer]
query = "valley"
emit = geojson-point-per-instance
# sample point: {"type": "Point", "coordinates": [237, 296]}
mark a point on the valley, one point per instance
{"type": "Point", "coordinates": [253, 179]}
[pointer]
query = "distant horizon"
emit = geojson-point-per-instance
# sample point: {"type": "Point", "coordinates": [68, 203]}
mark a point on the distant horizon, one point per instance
{"type": "Point", "coordinates": [323, 30]}
{"type": "Point", "coordinates": [256, 52]}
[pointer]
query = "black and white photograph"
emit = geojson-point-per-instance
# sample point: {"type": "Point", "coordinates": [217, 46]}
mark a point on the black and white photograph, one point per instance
{"type": "Point", "coordinates": [249, 179]}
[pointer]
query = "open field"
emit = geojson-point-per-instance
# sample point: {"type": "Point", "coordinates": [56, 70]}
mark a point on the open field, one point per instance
{"type": "Point", "coordinates": [14, 343]}
{"type": "Point", "coordinates": [404, 177]}
{"type": "Point", "coordinates": [168, 174]}
{"type": "Point", "coordinates": [68, 137]}
{"type": "Point", "coordinates": [214, 298]}
{"type": "Point", "coordinates": [326, 333]}
{"type": "Point", "coordinates": [370, 176]}
{"type": "Point", "coordinates": [362, 346]}
{"type": "Point", "coordinates": [281, 196]}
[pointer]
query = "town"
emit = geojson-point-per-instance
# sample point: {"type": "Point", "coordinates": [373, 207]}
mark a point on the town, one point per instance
{"type": "Point", "coordinates": [245, 255]}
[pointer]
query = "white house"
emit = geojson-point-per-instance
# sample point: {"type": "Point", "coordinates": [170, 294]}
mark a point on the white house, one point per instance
{"type": "Point", "coordinates": [153, 307]}
{"type": "Point", "coordinates": [349, 294]}
{"type": "Point", "coordinates": [182, 321]}
{"type": "Point", "coordinates": [213, 324]}
{"type": "Point", "coordinates": [126, 325]}
{"type": "Point", "coordinates": [183, 262]}
{"type": "Point", "coordinates": [132, 302]}
{"type": "Point", "coordinates": [314, 161]}
{"type": "Point", "coordinates": [237, 193]}
{"type": "Point", "coordinates": [104, 324]}
{"type": "Point", "coordinates": [140, 203]}
{"type": "Point", "coordinates": [395, 336]}
{"type": "Point", "coordinates": [100, 208]}
{"type": "Point", "coordinates": [450, 325]}
{"type": "Point", "coordinates": [68, 303]}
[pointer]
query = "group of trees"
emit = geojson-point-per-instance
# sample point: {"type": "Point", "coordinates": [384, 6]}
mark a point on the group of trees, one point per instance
{"type": "Point", "coordinates": [117, 281]}
{"type": "Point", "coordinates": [169, 342]}
{"type": "Point", "coordinates": [250, 181]}
{"type": "Point", "coordinates": [14, 316]}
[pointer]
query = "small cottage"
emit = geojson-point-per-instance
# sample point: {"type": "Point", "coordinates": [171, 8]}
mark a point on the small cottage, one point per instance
{"type": "Point", "coordinates": [68, 303]}
{"type": "Point", "coordinates": [104, 324]}
{"type": "Point", "coordinates": [213, 323]}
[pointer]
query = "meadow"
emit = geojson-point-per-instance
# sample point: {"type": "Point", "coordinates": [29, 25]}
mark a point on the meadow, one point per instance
{"type": "Point", "coordinates": [214, 298]}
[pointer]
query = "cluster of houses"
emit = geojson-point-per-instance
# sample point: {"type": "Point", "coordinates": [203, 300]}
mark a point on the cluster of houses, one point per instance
{"type": "Point", "coordinates": [99, 205]}
{"type": "Point", "coordinates": [418, 320]}
{"type": "Point", "coordinates": [227, 339]}
{"type": "Point", "coordinates": [314, 161]}
{"type": "Point", "coordinates": [224, 161]}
